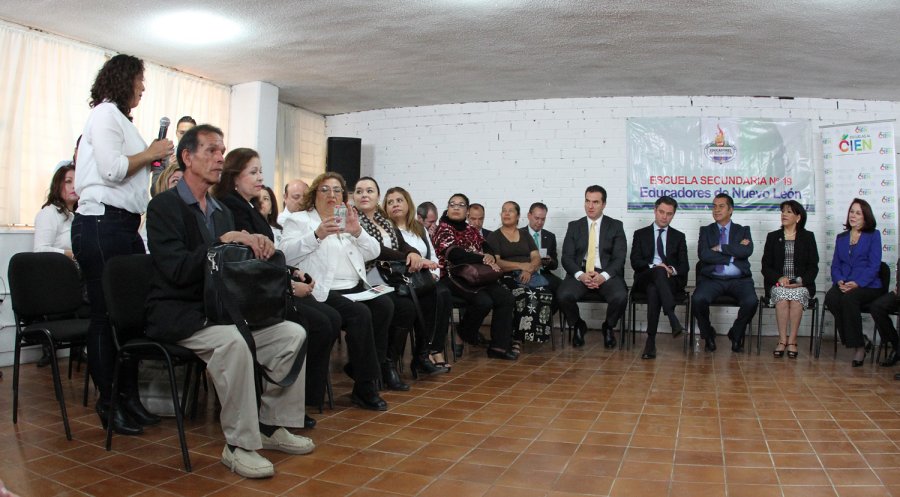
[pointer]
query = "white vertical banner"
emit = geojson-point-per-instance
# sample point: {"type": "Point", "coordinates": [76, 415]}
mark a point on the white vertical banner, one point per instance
{"type": "Point", "coordinates": [860, 162]}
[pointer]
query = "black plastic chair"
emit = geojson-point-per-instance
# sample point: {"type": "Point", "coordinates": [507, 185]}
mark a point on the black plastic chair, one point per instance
{"type": "Point", "coordinates": [640, 298]}
{"type": "Point", "coordinates": [884, 274]}
{"type": "Point", "coordinates": [589, 298]}
{"type": "Point", "coordinates": [126, 284]}
{"type": "Point", "coordinates": [46, 293]}
{"type": "Point", "coordinates": [812, 305]}
{"type": "Point", "coordinates": [720, 301]}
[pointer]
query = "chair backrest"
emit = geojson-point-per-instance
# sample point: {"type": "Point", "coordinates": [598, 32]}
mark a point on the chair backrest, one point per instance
{"type": "Point", "coordinates": [126, 284]}
{"type": "Point", "coordinates": [884, 274]}
{"type": "Point", "coordinates": [44, 284]}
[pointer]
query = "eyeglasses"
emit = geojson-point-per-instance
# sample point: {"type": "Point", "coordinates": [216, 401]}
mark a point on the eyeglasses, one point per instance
{"type": "Point", "coordinates": [457, 205]}
{"type": "Point", "coordinates": [327, 190]}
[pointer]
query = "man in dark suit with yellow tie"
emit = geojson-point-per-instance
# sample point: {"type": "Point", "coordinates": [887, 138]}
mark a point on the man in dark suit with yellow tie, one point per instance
{"type": "Point", "coordinates": [660, 262]}
{"type": "Point", "coordinates": [724, 249]}
{"type": "Point", "coordinates": [594, 259]}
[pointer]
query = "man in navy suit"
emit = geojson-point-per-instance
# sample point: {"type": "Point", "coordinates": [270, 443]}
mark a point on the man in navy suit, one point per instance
{"type": "Point", "coordinates": [724, 249]}
{"type": "Point", "coordinates": [594, 260]}
{"type": "Point", "coordinates": [545, 241]}
{"type": "Point", "coordinates": [660, 263]}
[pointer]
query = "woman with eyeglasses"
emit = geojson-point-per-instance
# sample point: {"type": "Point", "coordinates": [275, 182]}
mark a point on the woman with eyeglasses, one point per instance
{"type": "Point", "coordinates": [326, 239]}
{"type": "Point", "coordinates": [456, 242]}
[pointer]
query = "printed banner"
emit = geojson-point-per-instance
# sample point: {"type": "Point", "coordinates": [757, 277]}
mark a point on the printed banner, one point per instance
{"type": "Point", "coordinates": [759, 162]}
{"type": "Point", "coordinates": [860, 162]}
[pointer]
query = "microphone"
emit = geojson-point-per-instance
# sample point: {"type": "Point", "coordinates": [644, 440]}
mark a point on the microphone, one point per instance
{"type": "Point", "coordinates": [163, 129]}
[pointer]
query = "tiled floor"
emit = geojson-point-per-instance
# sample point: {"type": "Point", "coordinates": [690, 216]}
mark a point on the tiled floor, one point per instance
{"type": "Point", "coordinates": [563, 423]}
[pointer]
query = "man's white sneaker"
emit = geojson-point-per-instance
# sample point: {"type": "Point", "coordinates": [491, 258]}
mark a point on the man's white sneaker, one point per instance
{"type": "Point", "coordinates": [286, 441]}
{"type": "Point", "coordinates": [247, 463]}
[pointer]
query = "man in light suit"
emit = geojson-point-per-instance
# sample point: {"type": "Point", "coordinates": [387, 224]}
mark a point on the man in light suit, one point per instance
{"type": "Point", "coordinates": [724, 250]}
{"type": "Point", "coordinates": [594, 259]}
{"type": "Point", "coordinates": [545, 240]}
{"type": "Point", "coordinates": [660, 263]}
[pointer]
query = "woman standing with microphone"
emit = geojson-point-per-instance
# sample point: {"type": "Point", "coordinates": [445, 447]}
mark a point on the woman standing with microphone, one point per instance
{"type": "Point", "coordinates": [112, 181]}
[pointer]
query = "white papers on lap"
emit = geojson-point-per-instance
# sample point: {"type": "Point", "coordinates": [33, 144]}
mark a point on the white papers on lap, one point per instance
{"type": "Point", "coordinates": [371, 293]}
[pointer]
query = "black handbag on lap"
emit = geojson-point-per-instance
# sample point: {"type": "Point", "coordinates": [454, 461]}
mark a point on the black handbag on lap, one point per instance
{"type": "Point", "coordinates": [396, 274]}
{"type": "Point", "coordinates": [249, 293]}
{"type": "Point", "coordinates": [259, 289]}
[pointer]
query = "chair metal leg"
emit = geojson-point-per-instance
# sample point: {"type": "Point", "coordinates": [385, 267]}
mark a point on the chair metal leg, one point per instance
{"type": "Point", "coordinates": [87, 382]}
{"type": "Point", "coordinates": [329, 391]}
{"type": "Point", "coordinates": [16, 357]}
{"type": "Point", "coordinates": [57, 387]}
{"type": "Point", "coordinates": [179, 415]}
{"type": "Point", "coordinates": [759, 320]}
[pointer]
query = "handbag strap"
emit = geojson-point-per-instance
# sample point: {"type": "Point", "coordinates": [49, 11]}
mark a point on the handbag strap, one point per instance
{"type": "Point", "coordinates": [415, 298]}
{"type": "Point", "coordinates": [237, 317]}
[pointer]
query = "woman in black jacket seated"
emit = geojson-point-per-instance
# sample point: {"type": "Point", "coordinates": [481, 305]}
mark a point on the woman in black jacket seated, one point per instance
{"type": "Point", "coordinates": [241, 182]}
{"type": "Point", "coordinates": [790, 264]}
{"type": "Point", "coordinates": [394, 248]}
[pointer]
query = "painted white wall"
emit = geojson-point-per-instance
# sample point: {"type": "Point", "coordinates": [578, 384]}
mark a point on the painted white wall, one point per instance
{"type": "Point", "coordinates": [253, 122]}
{"type": "Point", "coordinates": [550, 150]}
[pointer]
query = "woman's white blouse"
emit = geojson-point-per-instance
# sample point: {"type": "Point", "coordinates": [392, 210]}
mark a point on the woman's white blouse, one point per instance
{"type": "Point", "coordinates": [107, 141]}
{"type": "Point", "coordinates": [52, 230]}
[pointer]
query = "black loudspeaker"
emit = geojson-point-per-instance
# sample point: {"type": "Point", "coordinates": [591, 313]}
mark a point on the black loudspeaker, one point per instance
{"type": "Point", "coordinates": [343, 158]}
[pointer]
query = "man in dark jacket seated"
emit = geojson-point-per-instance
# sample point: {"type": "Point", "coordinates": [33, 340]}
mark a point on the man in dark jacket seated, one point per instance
{"type": "Point", "coordinates": [182, 223]}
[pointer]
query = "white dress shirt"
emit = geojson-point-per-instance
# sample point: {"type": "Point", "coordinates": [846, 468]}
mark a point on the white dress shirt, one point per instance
{"type": "Point", "coordinates": [107, 141]}
{"type": "Point", "coordinates": [52, 230]}
{"type": "Point", "coordinates": [420, 245]}
{"type": "Point", "coordinates": [597, 264]}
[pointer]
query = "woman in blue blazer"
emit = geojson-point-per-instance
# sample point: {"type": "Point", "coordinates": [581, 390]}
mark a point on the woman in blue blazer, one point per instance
{"type": "Point", "coordinates": [855, 275]}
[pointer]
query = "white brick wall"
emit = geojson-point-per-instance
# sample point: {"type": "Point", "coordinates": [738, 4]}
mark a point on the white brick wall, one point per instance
{"type": "Point", "coordinates": [300, 147]}
{"type": "Point", "coordinates": [550, 150]}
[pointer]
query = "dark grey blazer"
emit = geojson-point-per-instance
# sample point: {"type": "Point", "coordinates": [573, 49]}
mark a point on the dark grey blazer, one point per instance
{"type": "Point", "coordinates": [643, 246]}
{"type": "Point", "coordinates": [548, 241]}
{"type": "Point", "coordinates": [613, 247]}
{"type": "Point", "coordinates": [709, 238]}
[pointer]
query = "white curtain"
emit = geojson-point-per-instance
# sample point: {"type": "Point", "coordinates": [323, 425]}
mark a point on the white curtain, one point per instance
{"type": "Point", "coordinates": [299, 147]}
{"type": "Point", "coordinates": [45, 85]}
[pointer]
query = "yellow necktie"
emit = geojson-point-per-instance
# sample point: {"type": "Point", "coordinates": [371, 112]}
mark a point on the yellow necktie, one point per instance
{"type": "Point", "coordinates": [592, 248]}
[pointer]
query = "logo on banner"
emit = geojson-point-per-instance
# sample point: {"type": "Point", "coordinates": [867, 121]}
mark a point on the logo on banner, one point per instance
{"type": "Point", "coordinates": [887, 215]}
{"type": "Point", "coordinates": [864, 176]}
{"type": "Point", "coordinates": [720, 151]}
{"type": "Point", "coordinates": [888, 232]}
{"type": "Point", "coordinates": [864, 192]}
{"type": "Point", "coordinates": [887, 166]}
{"type": "Point", "coordinates": [887, 182]}
{"type": "Point", "coordinates": [884, 134]}
{"type": "Point", "coordinates": [886, 151]}
{"type": "Point", "coordinates": [858, 142]}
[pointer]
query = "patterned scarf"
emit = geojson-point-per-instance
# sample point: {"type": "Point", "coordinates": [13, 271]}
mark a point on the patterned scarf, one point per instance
{"type": "Point", "coordinates": [370, 226]}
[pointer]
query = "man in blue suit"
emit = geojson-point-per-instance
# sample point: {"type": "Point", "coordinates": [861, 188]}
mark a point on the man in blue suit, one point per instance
{"type": "Point", "coordinates": [724, 250]}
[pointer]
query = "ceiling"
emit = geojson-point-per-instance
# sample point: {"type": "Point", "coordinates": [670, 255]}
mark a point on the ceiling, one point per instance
{"type": "Point", "coordinates": [338, 56]}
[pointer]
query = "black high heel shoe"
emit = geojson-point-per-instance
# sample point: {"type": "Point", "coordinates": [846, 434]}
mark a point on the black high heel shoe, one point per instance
{"type": "Point", "coordinates": [506, 355]}
{"type": "Point", "coordinates": [122, 423]}
{"type": "Point", "coordinates": [422, 363]}
{"type": "Point", "coordinates": [866, 349]}
{"type": "Point", "coordinates": [890, 358]}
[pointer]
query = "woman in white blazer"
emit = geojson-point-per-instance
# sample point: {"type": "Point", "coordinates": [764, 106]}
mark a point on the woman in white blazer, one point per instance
{"type": "Point", "coordinates": [334, 251]}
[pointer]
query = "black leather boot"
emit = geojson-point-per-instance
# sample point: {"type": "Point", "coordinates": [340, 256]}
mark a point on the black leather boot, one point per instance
{"type": "Point", "coordinates": [391, 377]}
{"type": "Point", "coordinates": [137, 411]}
{"type": "Point", "coordinates": [122, 423]}
{"type": "Point", "coordinates": [365, 395]}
